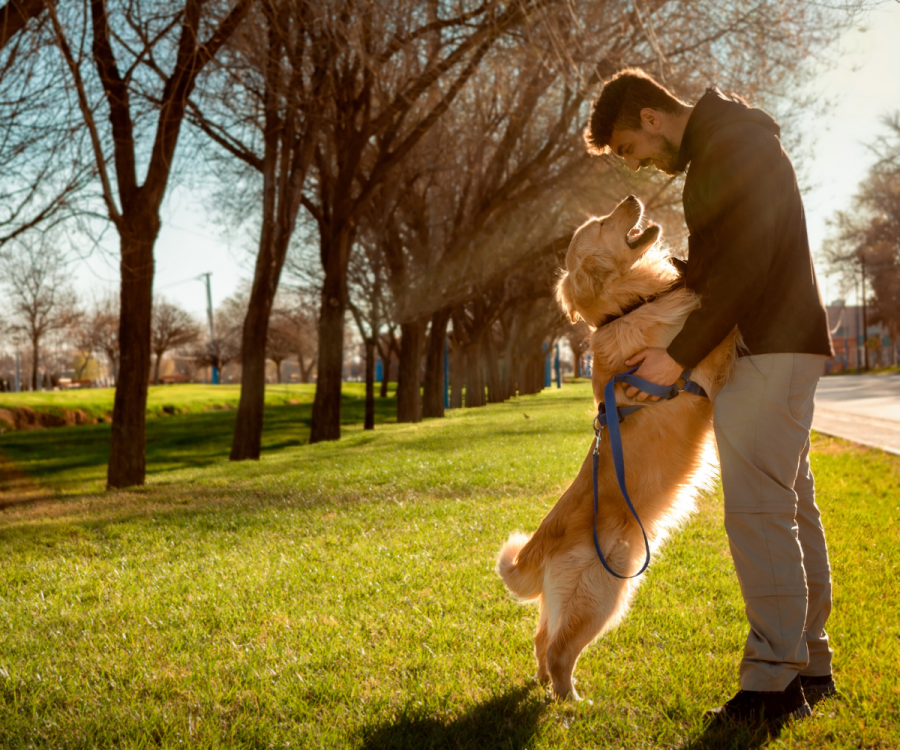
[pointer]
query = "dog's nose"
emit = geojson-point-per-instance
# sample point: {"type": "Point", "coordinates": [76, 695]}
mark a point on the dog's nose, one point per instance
{"type": "Point", "coordinates": [631, 198]}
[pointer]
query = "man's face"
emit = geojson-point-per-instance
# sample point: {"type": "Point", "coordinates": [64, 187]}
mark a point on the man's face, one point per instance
{"type": "Point", "coordinates": [642, 148]}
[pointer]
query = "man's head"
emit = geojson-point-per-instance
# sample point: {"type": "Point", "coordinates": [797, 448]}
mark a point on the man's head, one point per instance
{"type": "Point", "coordinates": [638, 119]}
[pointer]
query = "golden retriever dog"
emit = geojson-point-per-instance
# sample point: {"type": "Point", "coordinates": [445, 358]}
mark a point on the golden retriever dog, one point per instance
{"type": "Point", "coordinates": [613, 268]}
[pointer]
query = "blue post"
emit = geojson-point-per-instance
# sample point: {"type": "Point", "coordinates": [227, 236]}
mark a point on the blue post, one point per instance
{"type": "Point", "coordinates": [379, 370]}
{"type": "Point", "coordinates": [557, 368]}
{"type": "Point", "coordinates": [548, 381]}
{"type": "Point", "coordinates": [18, 375]}
{"type": "Point", "coordinates": [215, 375]}
{"type": "Point", "coordinates": [446, 376]}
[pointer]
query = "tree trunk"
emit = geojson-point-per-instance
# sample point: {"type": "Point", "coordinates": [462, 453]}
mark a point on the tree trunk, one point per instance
{"type": "Point", "coordinates": [457, 375]}
{"type": "Point", "coordinates": [492, 366]}
{"type": "Point", "coordinates": [127, 462]}
{"type": "Point", "coordinates": [34, 365]}
{"type": "Point", "coordinates": [277, 370]}
{"type": "Point", "coordinates": [409, 402]}
{"type": "Point", "coordinates": [156, 368]}
{"type": "Point", "coordinates": [369, 423]}
{"type": "Point", "coordinates": [474, 375]}
{"type": "Point", "coordinates": [326, 412]}
{"type": "Point", "coordinates": [435, 387]}
{"type": "Point", "coordinates": [246, 442]}
{"type": "Point", "coordinates": [385, 375]}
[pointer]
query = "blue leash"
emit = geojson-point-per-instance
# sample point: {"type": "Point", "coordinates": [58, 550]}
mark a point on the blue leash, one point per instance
{"type": "Point", "coordinates": [664, 392]}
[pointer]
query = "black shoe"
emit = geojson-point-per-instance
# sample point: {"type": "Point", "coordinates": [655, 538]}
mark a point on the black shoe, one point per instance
{"type": "Point", "coordinates": [772, 708]}
{"type": "Point", "coordinates": [817, 689]}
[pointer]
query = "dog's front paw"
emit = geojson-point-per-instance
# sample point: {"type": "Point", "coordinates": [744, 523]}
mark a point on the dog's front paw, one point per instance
{"type": "Point", "coordinates": [566, 694]}
{"type": "Point", "coordinates": [542, 676]}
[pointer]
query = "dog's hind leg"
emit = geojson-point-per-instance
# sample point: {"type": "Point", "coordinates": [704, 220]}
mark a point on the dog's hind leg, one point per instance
{"type": "Point", "coordinates": [597, 604]}
{"type": "Point", "coordinates": [540, 646]}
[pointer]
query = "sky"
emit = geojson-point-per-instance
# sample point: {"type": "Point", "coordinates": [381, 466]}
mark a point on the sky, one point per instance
{"type": "Point", "coordinates": [863, 83]}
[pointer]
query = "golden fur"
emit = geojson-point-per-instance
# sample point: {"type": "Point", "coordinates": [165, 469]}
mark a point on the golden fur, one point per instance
{"type": "Point", "coordinates": [667, 447]}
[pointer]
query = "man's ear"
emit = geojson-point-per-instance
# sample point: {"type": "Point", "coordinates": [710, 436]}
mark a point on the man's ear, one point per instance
{"type": "Point", "coordinates": [566, 299]}
{"type": "Point", "coordinates": [650, 120]}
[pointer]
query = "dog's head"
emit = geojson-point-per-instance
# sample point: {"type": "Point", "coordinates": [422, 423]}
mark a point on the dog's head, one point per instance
{"type": "Point", "coordinates": [599, 279]}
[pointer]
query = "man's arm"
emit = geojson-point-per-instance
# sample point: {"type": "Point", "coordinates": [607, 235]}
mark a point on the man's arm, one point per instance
{"type": "Point", "coordinates": [744, 196]}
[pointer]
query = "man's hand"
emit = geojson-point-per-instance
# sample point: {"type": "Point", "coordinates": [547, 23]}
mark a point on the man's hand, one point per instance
{"type": "Point", "coordinates": [658, 367]}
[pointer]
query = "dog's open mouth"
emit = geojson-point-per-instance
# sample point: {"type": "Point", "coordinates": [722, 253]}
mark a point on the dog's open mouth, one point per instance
{"type": "Point", "coordinates": [638, 240]}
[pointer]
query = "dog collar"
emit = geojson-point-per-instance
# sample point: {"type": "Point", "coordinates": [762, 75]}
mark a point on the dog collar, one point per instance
{"type": "Point", "coordinates": [630, 309]}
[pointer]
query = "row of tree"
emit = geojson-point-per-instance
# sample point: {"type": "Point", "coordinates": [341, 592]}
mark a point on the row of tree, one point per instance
{"type": "Point", "coordinates": [863, 248]}
{"type": "Point", "coordinates": [40, 305]}
{"type": "Point", "coordinates": [421, 161]}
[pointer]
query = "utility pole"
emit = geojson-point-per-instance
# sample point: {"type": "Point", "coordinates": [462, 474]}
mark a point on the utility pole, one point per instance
{"type": "Point", "coordinates": [865, 331]}
{"type": "Point", "coordinates": [209, 314]}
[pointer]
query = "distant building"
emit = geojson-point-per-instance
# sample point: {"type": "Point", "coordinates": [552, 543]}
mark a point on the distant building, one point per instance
{"type": "Point", "coordinates": [846, 324]}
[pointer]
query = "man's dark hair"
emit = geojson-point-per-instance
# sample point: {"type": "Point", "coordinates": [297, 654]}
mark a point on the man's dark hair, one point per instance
{"type": "Point", "coordinates": [620, 103]}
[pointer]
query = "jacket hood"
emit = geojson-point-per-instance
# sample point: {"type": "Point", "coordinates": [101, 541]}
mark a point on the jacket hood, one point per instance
{"type": "Point", "coordinates": [713, 111]}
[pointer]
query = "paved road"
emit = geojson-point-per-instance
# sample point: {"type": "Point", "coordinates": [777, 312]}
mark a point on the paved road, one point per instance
{"type": "Point", "coordinates": [861, 408]}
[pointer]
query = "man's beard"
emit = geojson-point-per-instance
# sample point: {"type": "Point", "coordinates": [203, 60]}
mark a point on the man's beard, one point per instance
{"type": "Point", "coordinates": [666, 159]}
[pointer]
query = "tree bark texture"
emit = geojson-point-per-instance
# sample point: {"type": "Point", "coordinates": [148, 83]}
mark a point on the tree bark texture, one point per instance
{"type": "Point", "coordinates": [474, 375]}
{"type": "Point", "coordinates": [433, 396]}
{"type": "Point", "coordinates": [369, 423]}
{"type": "Point", "coordinates": [326, 414]}
{"type": "Point", "coordinates": [409, 401]}
{"type": "Point", "coordinates": [247, 439]}
{"type": "Point", "coordinates": [127, 462]}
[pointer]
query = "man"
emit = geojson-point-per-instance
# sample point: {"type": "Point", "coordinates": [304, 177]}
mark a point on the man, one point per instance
{"type": "Point", "coordinates": [749, 260]}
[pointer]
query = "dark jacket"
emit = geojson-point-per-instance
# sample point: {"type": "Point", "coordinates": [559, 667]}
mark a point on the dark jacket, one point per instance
{"type": "Point", "coordinates": [748, 252]}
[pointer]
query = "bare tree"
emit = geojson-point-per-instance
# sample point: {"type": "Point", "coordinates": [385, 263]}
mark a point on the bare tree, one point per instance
{"type": "Point", "coordinates": [864, 244]}
{"type": "Point", "coordinates": [172, 328]}
{"type": "Point", "coordinates": [368, 302]}
{"type": "Point", "coordinates": [105, 321]}
{"type": "Point", "coordinates": [261, 107]}
{"type": "Point", "coordinates": [147, 40]}
{"type": "Point", "coordinates": [42, 149]}
{"type": "Point", "coordinates": [281, 342]}
{"type": "Point", "coordinates": [40, 299]}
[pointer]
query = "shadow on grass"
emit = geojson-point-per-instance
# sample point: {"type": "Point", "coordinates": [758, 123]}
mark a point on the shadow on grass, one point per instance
{"type": "Point", "coordinates": [76, 457]}
{"type": "Point", "coordinates": [719, 736]}
{"type": "Point", "coordinates": [506, 721]}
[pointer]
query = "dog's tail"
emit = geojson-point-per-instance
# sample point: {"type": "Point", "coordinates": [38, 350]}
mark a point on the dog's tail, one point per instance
{"type": "Point", "coordinates": [521, 577]}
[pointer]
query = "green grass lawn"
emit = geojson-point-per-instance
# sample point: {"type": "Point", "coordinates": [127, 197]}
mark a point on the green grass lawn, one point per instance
{"type": "Point", "coordinates": [343, 595]}
{"type": "Point", "coordinates": [70, 459]}
{"type": "Point", "coordinates": [185, 398]}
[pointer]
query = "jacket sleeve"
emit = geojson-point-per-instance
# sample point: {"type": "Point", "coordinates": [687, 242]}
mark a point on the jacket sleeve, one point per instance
{"type": "Point", "coordinates": [740, 202]}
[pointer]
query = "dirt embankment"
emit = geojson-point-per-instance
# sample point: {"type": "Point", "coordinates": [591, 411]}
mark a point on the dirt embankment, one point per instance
{"type": "Point", "coordinates": [26, 418]}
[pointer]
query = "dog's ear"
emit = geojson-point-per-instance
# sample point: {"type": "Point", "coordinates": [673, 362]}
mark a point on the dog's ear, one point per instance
{"type": "Point", "coordinates": [565, 297]}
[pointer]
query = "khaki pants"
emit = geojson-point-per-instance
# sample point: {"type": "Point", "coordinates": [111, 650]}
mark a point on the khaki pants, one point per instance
{"type": "Point", "coordinates": [762, 419]}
